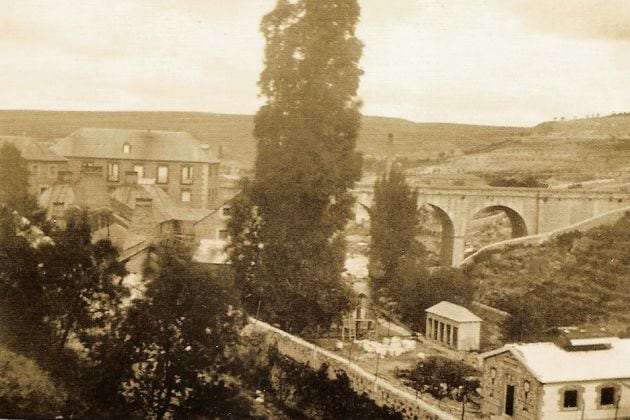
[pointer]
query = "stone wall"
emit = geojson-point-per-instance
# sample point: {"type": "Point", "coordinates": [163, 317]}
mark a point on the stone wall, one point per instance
{"type": "Point", "coordinates": [591, 223]}
{"type": "Point", "coordinates": [383, 392]}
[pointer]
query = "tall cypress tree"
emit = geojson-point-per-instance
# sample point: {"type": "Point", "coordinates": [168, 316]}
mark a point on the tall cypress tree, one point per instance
{"type": "Point", "coordinates": [394, 225]}
{"type": "Point", "coordinates": [306, 163]}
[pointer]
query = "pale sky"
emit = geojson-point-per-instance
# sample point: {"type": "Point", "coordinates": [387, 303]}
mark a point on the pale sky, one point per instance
{"type": "Point", "coordinates": [504, 62]}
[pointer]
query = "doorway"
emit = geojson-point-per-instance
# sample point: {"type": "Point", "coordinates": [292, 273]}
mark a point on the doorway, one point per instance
{"type": "Point", "coordinates": [509, 400]}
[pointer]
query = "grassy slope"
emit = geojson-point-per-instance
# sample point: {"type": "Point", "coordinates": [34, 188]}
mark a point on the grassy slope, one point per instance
{"type": "Point", "coordinates": [575, 279]}
{"type": "Point", "coordinates": [572, 150]}
{"type": "Point", "coordinates": [234, 132]}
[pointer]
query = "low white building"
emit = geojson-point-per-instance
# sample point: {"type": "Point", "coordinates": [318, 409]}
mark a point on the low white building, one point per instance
{"type": "Point", "coordinates": [584, 379]}
{"type": "Point", "coordinates": [453, 326]}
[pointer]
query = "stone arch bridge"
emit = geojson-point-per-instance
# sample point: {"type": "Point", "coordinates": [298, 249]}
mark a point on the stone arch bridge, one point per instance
{"type": "Point", "coordinates": [531, 211]}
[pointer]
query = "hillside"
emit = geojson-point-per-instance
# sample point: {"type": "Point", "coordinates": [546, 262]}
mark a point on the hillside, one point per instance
{"type": "Point", "coordinates": [573, 150]}
{"type": "Point", "coordinates": [577, 278]}
{"type": "Point", "coordinates": [234, 132]}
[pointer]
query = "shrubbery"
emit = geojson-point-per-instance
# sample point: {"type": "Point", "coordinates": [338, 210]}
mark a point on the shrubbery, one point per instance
{"type": "Point", "coordinates": [577, 278]}
{"type": "Point", "coordinates": [443, 377]}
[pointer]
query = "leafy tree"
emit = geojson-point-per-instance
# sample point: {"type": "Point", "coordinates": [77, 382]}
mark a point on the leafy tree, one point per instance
{"type": "Point", "coordinates": [394, 225]}
{"type": "Point", "coordinates": [420, 289]}
{"type": "Point", "coordinates": [443, 377]}
{"type": "Point", "coordinates": [311, 393]}
{"type": "Point", "coordinates": [177, 341]}
{"type": "Point", "coordinates": [82, 282]}
{"type": "Point", "coordinates": [305, 165]}
{"type": "Point", "coordinates": [14, 186]}
{"type": "Point", "coordinates": [22, 301]}
{"type": "Point", "coordinates": [27, 391]}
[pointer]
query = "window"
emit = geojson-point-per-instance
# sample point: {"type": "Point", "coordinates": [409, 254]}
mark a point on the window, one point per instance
{"type": "Point", "coordinates": [52, 171]}
{"type": "Point", "coordinates": [139, 169]}
{"type": "Point", "coordinates": [570, 398]}
{"type": "Point", "coordinates": [223, 234]}
{"type": "Point", "coordinates": [112, 172]}
{"type": "Point", "coordinates": [455, 337]}
{"type": "Point", "coordinates": [162, 174]}
{"type": "Point", "coordinates": [186, 196]}
{"type": "Point", "coordinates": [42, 189]}
{"type": "Point", "coordinates": [526, 389]}
{"type": "Point", "coordinates": [187, 174]}
{"type": "Point", "coordinates": [213, 193]}
{"type": "Point", "coordinates": [607, 396]}
{"type": "Point", "coordinates": [126, 148]}
{"type": "Point", "coordinates": [34, 170]}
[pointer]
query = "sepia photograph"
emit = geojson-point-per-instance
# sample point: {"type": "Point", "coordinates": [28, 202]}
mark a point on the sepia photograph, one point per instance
{"type": "Point", "coordinates": [315, 209]}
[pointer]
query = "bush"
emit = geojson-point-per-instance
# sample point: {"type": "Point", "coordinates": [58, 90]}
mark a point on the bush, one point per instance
{"type": "Point", "coordinates": [26, 390]}
{"type": "Point", "coordinates": [442, 377]}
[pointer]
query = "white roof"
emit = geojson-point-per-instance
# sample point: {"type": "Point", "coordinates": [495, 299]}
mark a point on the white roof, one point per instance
{"type": "Point", "coordinates": [550, 363]}
{"type": "Point", "coordinates": [452, 311]}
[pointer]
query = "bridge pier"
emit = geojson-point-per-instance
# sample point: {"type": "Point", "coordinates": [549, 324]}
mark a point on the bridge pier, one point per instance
{"type": "Point", "coordinates": [458, 250]}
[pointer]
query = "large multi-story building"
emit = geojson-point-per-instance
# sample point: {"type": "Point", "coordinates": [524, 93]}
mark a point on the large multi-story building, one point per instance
{"type": "Point", "coordinates": [181, 165]}
{"type": "Point", "coordinates": [43, 164]}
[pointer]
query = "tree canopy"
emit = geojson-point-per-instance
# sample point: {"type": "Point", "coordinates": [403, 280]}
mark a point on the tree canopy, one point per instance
{"type": "Point", "coordinates": [14, 186]}
{"type": "Point", "coordinates": [394, 225]}
{"type": "Point", "coordinates": [306, 162]}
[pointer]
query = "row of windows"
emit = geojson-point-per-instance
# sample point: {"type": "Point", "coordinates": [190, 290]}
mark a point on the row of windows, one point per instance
{"type": "Point", "coordinates": [187, 171]}
{"type": "Point", "coordinates": [52, 170]}
{"type": "Point", "coordinates": [607, 397]}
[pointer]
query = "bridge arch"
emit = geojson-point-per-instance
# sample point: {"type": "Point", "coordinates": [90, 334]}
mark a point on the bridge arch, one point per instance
{"type": "Point", "coordinates": [518, 226]}
{"type": "Point", "coordinates": [447, 235]}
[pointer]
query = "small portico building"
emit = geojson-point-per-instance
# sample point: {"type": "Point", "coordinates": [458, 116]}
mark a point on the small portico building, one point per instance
{"type": "Point", "coordinates": [453, 326]}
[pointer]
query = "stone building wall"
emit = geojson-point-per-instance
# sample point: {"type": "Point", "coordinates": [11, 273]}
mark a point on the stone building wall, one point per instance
{"type": "Point", "coordinates": [509, 371]}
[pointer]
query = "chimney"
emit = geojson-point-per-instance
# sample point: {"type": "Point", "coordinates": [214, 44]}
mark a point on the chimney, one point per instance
{"type": "Point", "coordinates": [390, 153]}
{"type": "Point", "coordinates": [131, 178]}
{"type": "Point", "coordinates": [64, 176]}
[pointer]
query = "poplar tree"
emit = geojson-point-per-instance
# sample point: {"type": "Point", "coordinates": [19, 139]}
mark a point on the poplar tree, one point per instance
{"type": "Point", "coordinates": [394, 224]}
{"type": "Point", "coordinates": [306, 163]}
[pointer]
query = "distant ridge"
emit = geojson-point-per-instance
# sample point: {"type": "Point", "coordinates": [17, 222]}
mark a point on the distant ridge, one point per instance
{"type": "Point", "coordinates": [233, 133]}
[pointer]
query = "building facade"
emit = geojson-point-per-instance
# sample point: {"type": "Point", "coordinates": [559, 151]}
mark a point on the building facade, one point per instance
{"type": "Point", "coordinates": [44, 165]}
{"type": "Point", "coordinates": [453, 326]}
{"type": "Point", "coordinates": [186, 169]}
{"type": "Point", "coordinates": [546, 381]}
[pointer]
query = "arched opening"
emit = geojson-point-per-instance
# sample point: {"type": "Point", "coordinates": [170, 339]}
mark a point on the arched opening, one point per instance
{"type": "Point", "coordinates": [437, 235]}
{"type": "Point", "coordinates": [491, 225]}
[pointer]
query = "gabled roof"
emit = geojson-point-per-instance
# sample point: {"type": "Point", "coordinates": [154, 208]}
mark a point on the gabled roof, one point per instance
{"type": "Point", "coordinates": [83, 192]}
{"type": "Point", "coordinates": [550, 363]}
{"type": "Point", "coordinates": [153, 145]}
{"type": "Point", "coordinates": [127, 242]}
{"type": "Point", "coordinates": [31, 149]}
{"type": "Point", "coordinates": [162, 205]}
{"type": "Point", "coordinates": [452, 311]}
